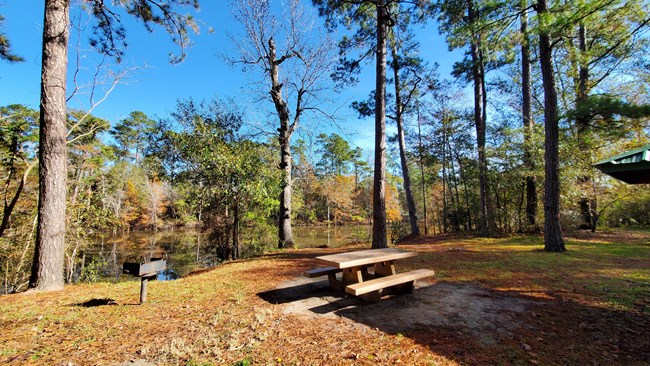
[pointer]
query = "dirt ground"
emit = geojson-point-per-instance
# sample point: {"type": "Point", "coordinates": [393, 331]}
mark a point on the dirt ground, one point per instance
{"type": "Point", "coordinates": [478, 326]}
{"type": "Point", "coordinates": [473, 310]}
{"type": "Point", "coordinates": [497, 322]}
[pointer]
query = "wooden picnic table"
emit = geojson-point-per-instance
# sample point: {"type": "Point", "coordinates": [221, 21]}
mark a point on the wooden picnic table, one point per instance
{"type": "Point", "coordinates": [357, 280]}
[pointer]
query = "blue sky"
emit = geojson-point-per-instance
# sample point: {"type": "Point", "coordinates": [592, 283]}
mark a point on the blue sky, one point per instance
{"type": "Point", "coordinates": [155, 85]}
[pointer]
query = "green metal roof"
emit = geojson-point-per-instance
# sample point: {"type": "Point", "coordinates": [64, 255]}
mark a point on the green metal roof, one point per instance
{"type": "Point", "coordinates": [631, 167]}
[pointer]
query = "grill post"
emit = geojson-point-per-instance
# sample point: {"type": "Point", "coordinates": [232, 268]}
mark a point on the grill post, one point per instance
{"type": "Point", "coordinates": [143, 289]}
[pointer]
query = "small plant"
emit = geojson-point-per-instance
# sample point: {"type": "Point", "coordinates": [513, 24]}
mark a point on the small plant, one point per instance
{"type": "Point", "coordinates": [245, 362]}
{"type": "Point", "coordinates": [398, 231]}
{"type": "Point", "coordinates": [260, 240]}
{"type": "Point", "coordinates": [360, 234]}
{"type": "Point", "coordinates": [91, 272]}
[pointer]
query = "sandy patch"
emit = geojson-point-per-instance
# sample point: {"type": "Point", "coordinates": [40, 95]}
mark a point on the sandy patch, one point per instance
{"type": "Point", "coordinates": [465, 308]}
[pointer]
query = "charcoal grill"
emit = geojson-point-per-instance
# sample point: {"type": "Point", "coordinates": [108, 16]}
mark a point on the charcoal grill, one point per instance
{"type": "Point", "coordinates": [146, 271]}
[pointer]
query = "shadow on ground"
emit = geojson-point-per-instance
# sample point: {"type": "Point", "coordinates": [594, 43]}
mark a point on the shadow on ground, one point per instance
{"type": "Point", "coordinates": [310, 297]}
{"type": "Point", "coordinates": [478, 325]}
{"type": "Point", "coordinates": [96, 302]}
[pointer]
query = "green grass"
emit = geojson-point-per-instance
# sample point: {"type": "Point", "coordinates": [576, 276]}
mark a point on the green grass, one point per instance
{"type": "Point", "coordinates": [613, 273]}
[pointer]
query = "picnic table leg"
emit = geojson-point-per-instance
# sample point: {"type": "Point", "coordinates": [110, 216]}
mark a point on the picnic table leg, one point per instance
{"type": "Point", "coordinates": [351, 275]}
{"type": "Point", "coordinates": [334, 283]}
{"type": "Point", "coordinates": [384, 269]}
{"type": "Point", "coordinates": [364, 273]}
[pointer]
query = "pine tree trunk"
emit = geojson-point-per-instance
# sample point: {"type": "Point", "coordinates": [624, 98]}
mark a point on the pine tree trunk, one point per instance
{"type": "Point", "coordinates": [463, 179]}
{"type": "Point", "coordinates": [480, 144]}
{"type": "Point", "coordinates": [485, 222]}
{"type": "Point", "coordinates": [445, 181]}
{"type": "Point", "coordinates": [9, 206]}
{"type": "Point", "coordinates": [553, 241]}
{"type": "Point", "coordinates": [235, 230]}
{"type": "Point", "coordinates": [490, 217]}
{"type": "Point", "coordinates": [454, 178]}
{"type": "Point", "coordinates": [583, 78]}
{"type": "Point", "coordinates": [379, 237]}
{"type": "Point", "coordinates": [423, 182]}
{"type": "Point", "coordinates": [47, 268]}
{"type": "Point", "coordinates": [582, 123]}
{"type": "Point", "coordinates": [285, 235]}
{"type": "Point", "coordinates": [529, 164]}
{"type": "Point", "coordinates": [410, 203]}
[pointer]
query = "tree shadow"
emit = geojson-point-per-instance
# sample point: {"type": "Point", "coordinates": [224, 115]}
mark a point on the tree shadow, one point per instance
{"type": "Point", "coordinates": [96, 302]}
{"type": "Point", "coordinates": [473, 324]}
{"type": "Point", "coordinates": [478, 325]}
{"type": "Point", "coordinates": [297, 292]}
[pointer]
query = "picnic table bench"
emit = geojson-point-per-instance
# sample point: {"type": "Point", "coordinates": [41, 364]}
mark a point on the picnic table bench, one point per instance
{"type": "Point", "coordinates": [356, 278]}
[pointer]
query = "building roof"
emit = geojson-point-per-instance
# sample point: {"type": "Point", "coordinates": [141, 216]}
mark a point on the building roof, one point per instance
{"type": "Point", "coordinates": [631, 167]}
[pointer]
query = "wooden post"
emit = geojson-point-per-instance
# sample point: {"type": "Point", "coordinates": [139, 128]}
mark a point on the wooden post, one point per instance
{"type": "Point", "coordinates": [143, 289]}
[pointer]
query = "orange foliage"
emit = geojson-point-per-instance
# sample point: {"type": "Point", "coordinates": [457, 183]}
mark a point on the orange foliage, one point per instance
{"type": "Point", "coordinates": [131, 211]}
{"type": "Point", "coordinates": [393, 208]}
{"type": "Point", "coordinates": [339, 191]}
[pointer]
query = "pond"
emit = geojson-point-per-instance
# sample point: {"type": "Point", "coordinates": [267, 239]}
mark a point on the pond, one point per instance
{"type": "Point", "coordinates": [189, 250]}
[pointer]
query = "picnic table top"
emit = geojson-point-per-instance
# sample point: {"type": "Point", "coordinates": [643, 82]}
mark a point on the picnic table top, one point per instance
{"type": "Point", "coordinates": [364, 257]}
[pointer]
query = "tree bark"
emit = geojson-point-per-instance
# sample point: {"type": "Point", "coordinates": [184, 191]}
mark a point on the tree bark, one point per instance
{"type": "Point", "coordinates": [461, 171]}
{"type": "Point", "coordinates": [47, 268]}
{"type": "Point", "coordinates": [527, 114]}
{"type": "Point", "coordinates": [587, 205]}
{"type": "Point", "coordinates": [485, 223]}
{"type": "Point", "coordinates": [583, 77]}
{"type": "Point", "coordinates": [235, 230]}
{"type": "Point", "coordinates": [553, 240]}
{"type": "Point", "coordinates": [9, 206]}
{"type": "Point", "coordinates": [445, 182]}
{"type": "Point", "coordinates": [490, 217]}
{"type": "Point", "coordinates": [285, 235]}
{"type": "Point", "coordinates": [424, 191]}
{"type": "Point", "coordinates": [410, 203]}
{"type": "Point", "coordinates": [379, 237]}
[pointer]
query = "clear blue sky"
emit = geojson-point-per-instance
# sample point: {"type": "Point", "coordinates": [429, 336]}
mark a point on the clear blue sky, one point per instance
{"type": "Point", "coordinates": [156, 85]}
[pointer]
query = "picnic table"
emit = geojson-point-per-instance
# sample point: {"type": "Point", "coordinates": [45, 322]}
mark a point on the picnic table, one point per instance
{"type": "Point", "coordinates": [356, 279]}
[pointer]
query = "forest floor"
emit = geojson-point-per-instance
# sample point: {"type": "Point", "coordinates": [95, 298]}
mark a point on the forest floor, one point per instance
{"type": "Point", "coordinates": [500, 301]}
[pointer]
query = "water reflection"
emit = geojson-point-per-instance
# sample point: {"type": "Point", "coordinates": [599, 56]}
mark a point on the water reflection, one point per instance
{"type": "Point", "coordinates": [189, 250]}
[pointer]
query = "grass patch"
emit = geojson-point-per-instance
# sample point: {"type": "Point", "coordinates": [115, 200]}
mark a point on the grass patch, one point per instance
{"type": "Point", "coordinates": [606, 269]}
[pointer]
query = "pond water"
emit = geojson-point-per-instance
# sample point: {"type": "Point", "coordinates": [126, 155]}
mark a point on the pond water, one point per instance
{"type": "Point", "coordinates": [189, 250]}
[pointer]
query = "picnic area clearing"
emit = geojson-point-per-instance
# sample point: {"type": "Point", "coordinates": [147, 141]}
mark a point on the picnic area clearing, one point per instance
{"type": "Point", "coordinates": [492, 301]}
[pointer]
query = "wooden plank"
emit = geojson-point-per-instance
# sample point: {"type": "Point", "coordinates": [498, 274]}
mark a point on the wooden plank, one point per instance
{"type": "Point", "coordinates": [364, 257]}
{"type": "Point", "coordinates": [383, 282]}
{"type": "Point", "coordinates": [153, 267]}
{"type": "Point", "coordinates": [317, 272]}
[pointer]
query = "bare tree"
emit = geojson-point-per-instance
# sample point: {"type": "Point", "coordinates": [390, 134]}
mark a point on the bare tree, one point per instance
{"type": "Point", "coordinates": [295, 43]}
